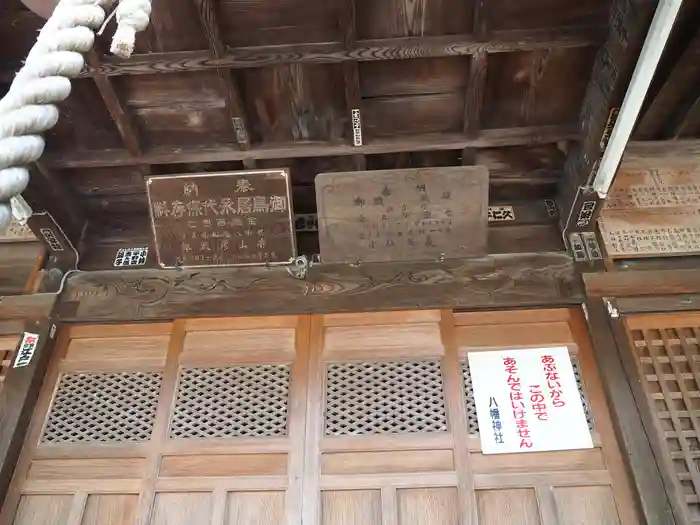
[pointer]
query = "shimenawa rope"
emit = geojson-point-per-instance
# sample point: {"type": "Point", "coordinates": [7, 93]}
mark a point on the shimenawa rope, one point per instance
{"type": "Point", "coordinates": [28, 109]}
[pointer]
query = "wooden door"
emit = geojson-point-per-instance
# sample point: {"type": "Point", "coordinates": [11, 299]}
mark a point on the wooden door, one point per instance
{"type": "Point", "coordinates": [336, 420]}
{"type": "Point", "coordinates": [392, 433]}
{"type": "Point", "coordinates": [663, 364]}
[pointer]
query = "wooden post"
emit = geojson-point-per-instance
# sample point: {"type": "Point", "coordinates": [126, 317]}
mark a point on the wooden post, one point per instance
{"type": "Point", "coordinates": [644, 472]}
{"type": "Point", "coordinates": [19, 395]}
{"type": "Point", "coordinates": [579, 205]}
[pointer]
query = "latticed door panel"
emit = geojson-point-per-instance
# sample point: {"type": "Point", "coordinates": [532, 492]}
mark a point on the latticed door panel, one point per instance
{"type": "Point", "coordinates": [666, 352]}
{"type": "Point", "coordinates": [336, 419]}
{"type": "Point", "coordinates": [198, 421]}
{"type": "Point", "coordinates": [397, 436]}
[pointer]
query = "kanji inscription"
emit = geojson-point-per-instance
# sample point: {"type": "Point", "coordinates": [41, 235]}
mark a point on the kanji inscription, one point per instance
{"type": "Point", "coordinates": [652, 212]}
{"type": "Point", "coordinates": [402, 215]}
{"type": "Point", "coordinates": [634, 233]}
{"type": "Point", "coordinates": [221, 219]}
{"type": "Point", "coordinates": [654, 188]}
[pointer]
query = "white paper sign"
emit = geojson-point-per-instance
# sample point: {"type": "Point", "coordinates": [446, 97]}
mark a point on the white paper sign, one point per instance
{"type": "Point", "coordinates": [527, 400]}
{"type": "Point", "coordinates": [26, 350]}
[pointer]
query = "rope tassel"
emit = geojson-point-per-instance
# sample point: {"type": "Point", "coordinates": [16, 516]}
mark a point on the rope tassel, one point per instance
{"type": "Point", "coordinates": [28, 109]}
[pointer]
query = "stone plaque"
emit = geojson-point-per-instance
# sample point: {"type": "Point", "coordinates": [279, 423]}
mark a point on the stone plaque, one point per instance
{"type": "Point", "coordinates": [222, 219]}
{"type": "Point", "coordinates": [640, 233]}
{"type": "Point", "coordinates": [403, 215]}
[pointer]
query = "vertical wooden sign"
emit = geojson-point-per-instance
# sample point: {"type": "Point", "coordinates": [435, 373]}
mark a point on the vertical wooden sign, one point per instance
{"type": "Point", "coordinates": [222, 219]}
{"type": "Point", "coordinates": [402, 215]}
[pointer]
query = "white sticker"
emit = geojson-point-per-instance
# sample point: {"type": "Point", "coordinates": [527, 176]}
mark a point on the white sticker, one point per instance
{"type": "Point", "coordinates": [52, 332]}
{"type": "Point", "coordinates": [527, 400]}
{"type": "Point", "coordinates": [356, 128]}
{"type": "Point", "coordinates": [26, 350]}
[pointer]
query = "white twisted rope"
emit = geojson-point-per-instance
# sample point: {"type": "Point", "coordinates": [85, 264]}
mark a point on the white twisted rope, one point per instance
{"type": "Point", "coordinates": [28, 109]}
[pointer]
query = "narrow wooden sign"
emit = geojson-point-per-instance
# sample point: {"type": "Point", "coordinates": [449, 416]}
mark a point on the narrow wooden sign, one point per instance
{"type": "Point", "coordinates": [402, 215]}
{"type": "Point", "coordinates": [222, 219]}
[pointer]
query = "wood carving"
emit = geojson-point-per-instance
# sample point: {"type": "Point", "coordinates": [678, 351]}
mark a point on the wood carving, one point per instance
{"type": "Point", "coordinates": [478, 283]}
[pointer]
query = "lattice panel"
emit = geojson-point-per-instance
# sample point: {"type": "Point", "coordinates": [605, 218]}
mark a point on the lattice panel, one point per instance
{"type": "Point", "coordinates": [234, 401]}
{"type": "Point", "coordinates": [669, 360]}
{"type": "Point", "coordinates": [582, 391]}
{"type": "Point", "coordinates": [103, 407]}
{"type": "Point", "coordinates": [387, 397]}
{"type": "Point", "coordinates": [471, 404]}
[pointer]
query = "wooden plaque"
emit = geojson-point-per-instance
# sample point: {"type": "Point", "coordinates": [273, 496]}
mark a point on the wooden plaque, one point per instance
{"type": "Point", "coordinates": [402, 215]}
{"type": "Point", "coordinates": [654, 188]}
{"type": "Point", "coordinates": [222, 219]}
{"type": "Point", "coordinates": [647, 233]}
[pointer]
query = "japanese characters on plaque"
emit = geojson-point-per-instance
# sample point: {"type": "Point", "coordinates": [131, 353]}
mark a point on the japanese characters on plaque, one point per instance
{"type": "Point", "coordinates": [218, 219]}
{"type": "Point", "coordinates": [527, 400]}
{"type": "Point", "coordinates": [652, 212]}
{"type": "Point", "coordinates": [402, 215]}
{"type": "Point", "coordinates": [653, 188]}
{"type": "Point", "coordinates": [630, 233]}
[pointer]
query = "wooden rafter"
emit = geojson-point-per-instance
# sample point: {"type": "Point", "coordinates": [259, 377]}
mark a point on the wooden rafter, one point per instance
{"type": "Point", "coordinates": [351, 72]}
{"type": "Point", "coordinates": [687, 121]}
{"type": "Point", "coordinates": [234, 103]}
{"type": "Point", "coordinates": [475, 94]}
{"type": "Point", "coordinates": [477, 79]}
{"type": "Point", "coordinates": [117, 110]}
{"type": "Point", "coordinates": [364, 51]}
{"type": "Point", "coordinates": [482, 20]}
{"type": "Point", "coordinates": [491, 138]}
{"type": "Point", "coordinates": [680, 82]}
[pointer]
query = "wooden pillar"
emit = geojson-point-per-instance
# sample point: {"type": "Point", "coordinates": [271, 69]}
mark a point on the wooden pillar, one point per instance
{"type": "Point", "coordinates": [579, 205]}
{"type": "Point", "coordinates": [19, 395]}
{"type": "Point", "coordinates": [644, 472]}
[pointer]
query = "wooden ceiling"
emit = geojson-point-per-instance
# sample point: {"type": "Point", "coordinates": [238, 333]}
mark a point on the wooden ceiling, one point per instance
{"type": "Point", "coordinates": [235, 84]}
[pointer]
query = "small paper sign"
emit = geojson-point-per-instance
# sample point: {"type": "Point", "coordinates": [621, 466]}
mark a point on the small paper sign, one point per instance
{"type": "Point", "coordinates": [26, 350]}
{"type": "Point", "coordinates": [527, 400]}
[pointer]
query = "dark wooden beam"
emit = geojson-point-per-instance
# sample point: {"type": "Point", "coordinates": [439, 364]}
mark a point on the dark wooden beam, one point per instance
{"type": "Point", "coordinates": [490, 138]}
{"type": "Point", "coordinates": [365, 50]}
{"type": "Point", "coordinates": [481, 28]}
{"type": "Point", "coordinates": [637, 452]}
{"type": "Point", "coordinates": [489, 282]}
{"type": "Point", "coordinates": [19, 395]}
{"type": "Point", "coordinates": [679, 154]}
{"type": "Point", "coordinates": [687, 121]}
{"type": "Point", "coordinates": [475, 94]}
{"type": "Point", "coordinates": [482, 20]}
{"type": "Point", "coordinates": [641, 283]}
{"type": "Point", "coordinates": [31, 306]}
{"type": "Point", "coordinates": [234, 103]}
{"type": "Point", "coordinates": [578, 204]}
{"type": "Point", "coordinates": [117, 110]}
{"type": "Point", "coordinates": [658, 304]}
{"type": "Point", "coordinates": [681, 82]}
{"type": "Point", "coordinates": [58, 220]}
{"type": "Point", "coordinates": [351, 73]}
